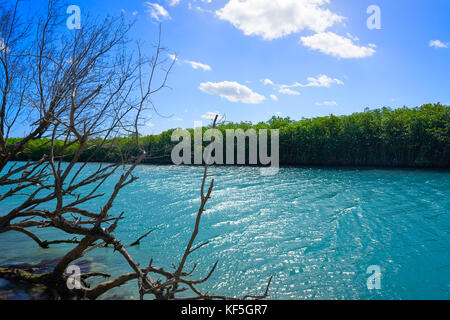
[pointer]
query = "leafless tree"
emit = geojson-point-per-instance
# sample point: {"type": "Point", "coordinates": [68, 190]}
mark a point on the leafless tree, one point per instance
{"type": "Point", "coordinates": [68, 88]}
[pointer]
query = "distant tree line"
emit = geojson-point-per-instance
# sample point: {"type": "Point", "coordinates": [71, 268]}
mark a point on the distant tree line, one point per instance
{"type": "Point", "coordinates": [405, 137]}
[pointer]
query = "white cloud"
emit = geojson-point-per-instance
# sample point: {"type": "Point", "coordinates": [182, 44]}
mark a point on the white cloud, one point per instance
{"type": "Point", "coordinates": [156, 11]}
{"type": "Point", "coordinates": [200, 9]}
{"type": "Point", "coordinates": [173, 2]}
{"type": "Point", "coordinates": [232, 91]}
{"type": "Point", "coordinates": [438, 44]}
{"type": "Point", "coordinates": [272, 19]}
{"type": "Point", "coordinates": [273, 97]}
{"type": "Point", "coordinates": [149, 124]}
{"type": "Point", "coordinates": [267, 82]}
{"type": "Point", "coordinates": [176, 119]}
{"type": "Point", "coordinates": [322, 81]}
{"type": "Point", "coordinates": [135, 13]}
{"type": "Point", "coordinates": [288, 91]}
{"type": "Point", "coordinates": [294, 85]}
{"type": "Point", "coordinates": [210, 115]}
{"type": "Point", "coordinates": [198, 65]}
{"type": "Point", "coordinates": [349, 35]}
{"type": "Point", "coordinates": [193, 64]}
{"type": "Point", "coordinates": [326, 103]}
{"type": "Point", "coordinates": [336, 45]}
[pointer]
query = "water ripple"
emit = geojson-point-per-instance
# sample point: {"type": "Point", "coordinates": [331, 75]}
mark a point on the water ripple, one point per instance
{"type": "Point", "coordinates": [316, 230]}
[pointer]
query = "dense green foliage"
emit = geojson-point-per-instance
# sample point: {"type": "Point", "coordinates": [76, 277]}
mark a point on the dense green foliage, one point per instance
{"type": "Point", "coordinates": [406, 137]}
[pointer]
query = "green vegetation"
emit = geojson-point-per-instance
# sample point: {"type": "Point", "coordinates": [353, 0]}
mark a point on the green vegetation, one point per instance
{"type": "Point", "coordinates": [406, 137]}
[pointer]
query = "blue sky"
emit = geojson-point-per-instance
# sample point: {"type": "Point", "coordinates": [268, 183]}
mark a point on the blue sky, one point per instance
{"type": "Point", "coordinates": [318, 57]}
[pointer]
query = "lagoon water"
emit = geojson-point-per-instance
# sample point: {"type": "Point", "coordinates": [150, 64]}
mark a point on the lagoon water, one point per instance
{"type": "Point", "coordinates": [317, 230]}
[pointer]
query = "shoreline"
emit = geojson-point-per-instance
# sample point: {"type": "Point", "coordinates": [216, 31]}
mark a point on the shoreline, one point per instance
{"type": "Point", "coordinates": [305, 166]}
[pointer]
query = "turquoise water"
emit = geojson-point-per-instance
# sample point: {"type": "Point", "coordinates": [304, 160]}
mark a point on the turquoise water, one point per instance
{"type": "Point", "coordinates": [317, 230]}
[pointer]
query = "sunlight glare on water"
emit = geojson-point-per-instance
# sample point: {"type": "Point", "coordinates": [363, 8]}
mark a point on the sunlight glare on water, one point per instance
{"type": "Point", "coordinates": [317, 230]}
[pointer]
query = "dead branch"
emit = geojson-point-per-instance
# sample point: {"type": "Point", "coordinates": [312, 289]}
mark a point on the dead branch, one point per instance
{"type": "Point", "coordinates": [77, 97]}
